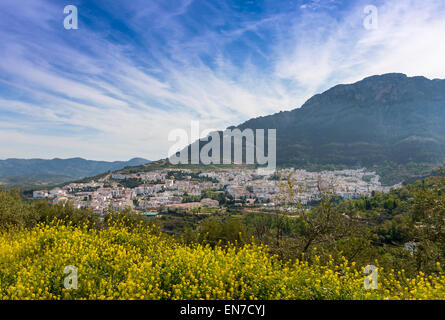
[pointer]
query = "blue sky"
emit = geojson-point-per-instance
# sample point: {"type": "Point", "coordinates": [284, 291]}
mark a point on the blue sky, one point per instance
{"type": "Point", "coordinates": [135, 70]}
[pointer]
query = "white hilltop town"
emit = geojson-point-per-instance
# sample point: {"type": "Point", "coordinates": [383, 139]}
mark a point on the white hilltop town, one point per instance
{"type": "Point", "coordinates": [171, 189]}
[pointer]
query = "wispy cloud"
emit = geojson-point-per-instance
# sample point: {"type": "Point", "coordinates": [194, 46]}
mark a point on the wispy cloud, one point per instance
{"type": "Point", "coordinates": [137, 69]}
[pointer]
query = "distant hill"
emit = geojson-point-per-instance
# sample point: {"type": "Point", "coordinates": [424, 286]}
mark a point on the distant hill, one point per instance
{"type": "Point", "coordinates": [41, 171]}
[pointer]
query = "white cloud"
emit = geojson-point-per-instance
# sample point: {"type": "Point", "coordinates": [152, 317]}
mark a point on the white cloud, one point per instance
{"type": "Point", "coordinates": [409, 40]}
{"type": "Point", "coordinates": [123, 102]}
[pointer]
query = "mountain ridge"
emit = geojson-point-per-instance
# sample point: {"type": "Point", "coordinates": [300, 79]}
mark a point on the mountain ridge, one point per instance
{"type": "Point", "coordinates": [36, 170]}
{"type": "Point", "coordinates": [386, 110]}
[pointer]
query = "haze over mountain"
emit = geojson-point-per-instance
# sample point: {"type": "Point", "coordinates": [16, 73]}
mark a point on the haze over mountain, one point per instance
{"type": "Point", "coordinates": [16, 171]}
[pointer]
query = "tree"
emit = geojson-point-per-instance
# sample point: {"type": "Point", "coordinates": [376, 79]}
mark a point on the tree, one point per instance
{"type": "Point", "coordinates": [285, 203]}
{"type": "Point", "coordinates": [428, 223]}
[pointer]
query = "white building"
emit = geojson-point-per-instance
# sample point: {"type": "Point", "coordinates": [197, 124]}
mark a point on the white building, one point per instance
{"type": "Point", "coordinates": [40, 194]}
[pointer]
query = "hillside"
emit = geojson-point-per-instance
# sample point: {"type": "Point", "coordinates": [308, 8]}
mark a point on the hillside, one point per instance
{"type": "Point", "coordinates": [391, 122]}
{"type": "Point", "coordinates": [381, 118]}
{"type": "Point", "coordinates": [41, 171]}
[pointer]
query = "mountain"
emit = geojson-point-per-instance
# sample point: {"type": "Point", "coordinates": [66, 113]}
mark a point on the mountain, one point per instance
{"type": "Point", "coordinates": [37, 171]}
{"type": "Point", "coordinates": [387, 118]}
{"type": "Point", "coordinates": [391, 122]}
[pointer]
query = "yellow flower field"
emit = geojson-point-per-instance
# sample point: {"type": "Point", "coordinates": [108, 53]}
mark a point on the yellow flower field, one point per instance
{"type": "Point", "coordinates": [141, 263]}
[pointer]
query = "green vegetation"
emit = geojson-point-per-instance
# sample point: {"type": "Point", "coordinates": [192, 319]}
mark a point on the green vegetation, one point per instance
{"type": "Point", "coordinates": [401, 232]}
{"type": "Point", "coordinates": [139, 262]}
{"type": "Point", "coordinates": [382, 227]}
{"type": "Point", "coordinates": [128, 183]}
